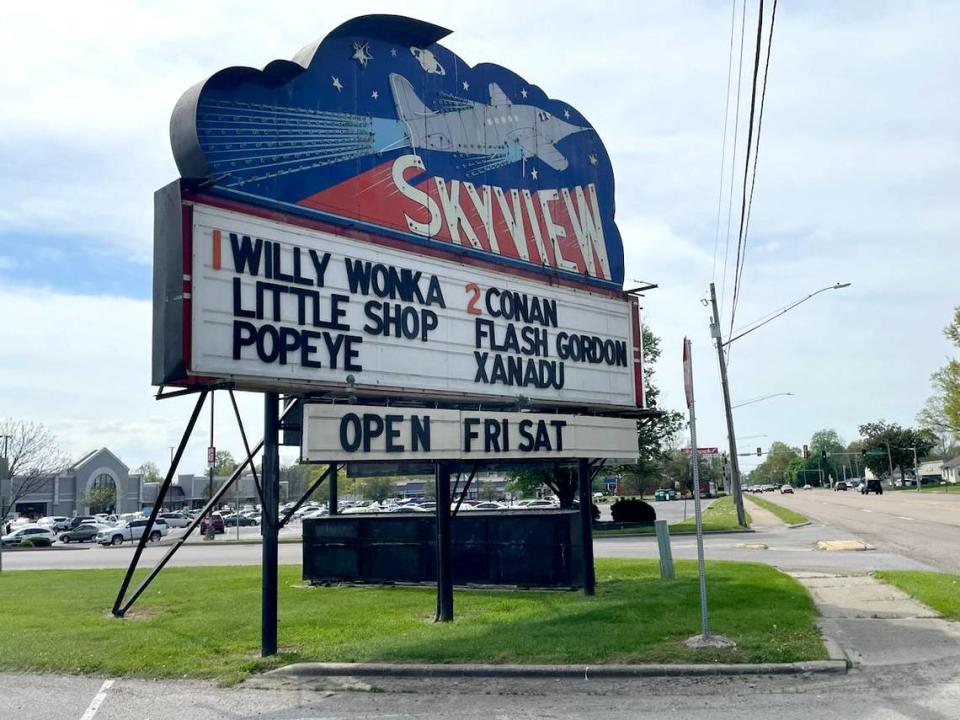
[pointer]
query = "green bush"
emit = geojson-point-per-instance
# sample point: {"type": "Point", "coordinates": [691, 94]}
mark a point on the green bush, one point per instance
{"type": "Point", "coordinates": [36, 542]}
{"type": "Point", "coordinates": [631, 510]}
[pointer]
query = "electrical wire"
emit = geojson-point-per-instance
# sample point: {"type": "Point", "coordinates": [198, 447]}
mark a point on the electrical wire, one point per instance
{"type": "Point", "coordinates": [756, 152]}
{"type": "Point", "coordinates": [733, 159]}
{"type": "Point", "coordinates": [737, 269]}
{"type": "Point", "coordinates": [723, 151]}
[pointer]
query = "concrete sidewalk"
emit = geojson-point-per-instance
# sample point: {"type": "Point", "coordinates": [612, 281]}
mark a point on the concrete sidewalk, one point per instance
{"type": "Point", "coordinates": [871, 623]}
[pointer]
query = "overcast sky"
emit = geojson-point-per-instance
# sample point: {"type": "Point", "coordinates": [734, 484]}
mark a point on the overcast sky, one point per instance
{"type": "Point", "coordinates": [858, 176]}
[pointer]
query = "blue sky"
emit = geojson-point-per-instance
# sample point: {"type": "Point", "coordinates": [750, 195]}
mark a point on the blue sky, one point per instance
{"type": "Point", "coordinates": [859, 166]}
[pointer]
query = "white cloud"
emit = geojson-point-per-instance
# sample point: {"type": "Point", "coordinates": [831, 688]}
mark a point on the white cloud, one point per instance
{"type": "Point", "coordinates": [860, 161]}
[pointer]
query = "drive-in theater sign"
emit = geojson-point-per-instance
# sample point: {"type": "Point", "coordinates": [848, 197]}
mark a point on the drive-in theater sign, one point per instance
{"type": "Point", "coordinates": [379, 221]}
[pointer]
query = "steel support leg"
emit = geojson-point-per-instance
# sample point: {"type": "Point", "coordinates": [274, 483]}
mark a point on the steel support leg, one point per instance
{"type": "Point", "coordinates": [303, 498]}
{"type": "Point", "coordinates": [334, 500]}
{"type": "Point", "coordinates": [444, 555]}
{"type": "Point", "coordinates": [271, 522]}
{"type": "Point", "coordinates": [161, 494]}
{"type": "Point", "coordinates": [586, 525]}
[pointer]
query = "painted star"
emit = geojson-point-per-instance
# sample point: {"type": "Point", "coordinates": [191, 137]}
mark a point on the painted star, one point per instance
{"type": "Point", "coordinates": [523, 92]}
{"type": "Point", "coordinates": [466, 85]}
{"type": "Point", "coordinates": [374, 94]}
{"type": "Point", "coordinates": [566, 114]}
{"type": "Point", "coordinates": [533, 173]}
{"type": "Point", "coordinates": [393, 51]}
{"type": "Point", "coordinates": [593, 159]}
{"type": "Point", "coordinates": [336, 83]}
{"type": "Point", "coordinates": [361, 53]}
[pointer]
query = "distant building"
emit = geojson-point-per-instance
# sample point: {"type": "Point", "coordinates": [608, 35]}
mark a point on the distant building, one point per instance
{"type": "Point", "coordinates": [69, 492]}
{"type": "Point", "coordinates": [192, 492]}
{"type": "Point", "coordinates": [931, 472]}
{"type": "Point", "coordinates": [951, 470]}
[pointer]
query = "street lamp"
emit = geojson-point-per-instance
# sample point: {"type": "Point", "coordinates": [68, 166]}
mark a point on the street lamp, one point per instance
{"type": "Point", "coordinates": [715, 334]}
{"type": "Point", "coordinates": [765, 397]}
{"type": "Point", "coordinates": [788, 308]}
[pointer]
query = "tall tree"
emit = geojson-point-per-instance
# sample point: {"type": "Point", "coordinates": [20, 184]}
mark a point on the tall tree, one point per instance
{"type": "Point", "coordinates": [773, 469]}
{"type": "Point", "coordinates": [888, 443]}
{"type": "Point", "coordinates": [150, 472]}
{"type": "Point", "coordinates": [225, 464]}
{"type": "Point", "coordinates": [33, 456]}
{"type": "Point", "coordinates": [942, 411]}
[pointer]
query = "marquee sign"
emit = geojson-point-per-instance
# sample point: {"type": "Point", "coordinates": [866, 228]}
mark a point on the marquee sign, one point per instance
{"type": "Point", "coordinates": [342, 433]}
{"type": "Point", "coordinates": [273, 305]}
{"type": "Point", "coordinates": [379, 219]}
{"type": "Point", "coordinates": [381, 129]}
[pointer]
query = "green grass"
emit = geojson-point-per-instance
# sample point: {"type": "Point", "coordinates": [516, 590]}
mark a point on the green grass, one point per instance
{"type": "Point", "coordinates": [204, 622]}
{"type": "Point", "coordinates": [788, 516]}
{"type": "Point", "coordinates": [721, 515]}
{"type": "Point", "coordinates": [939, 591]}
{"type": "Point", "coordinates": [948, 488]}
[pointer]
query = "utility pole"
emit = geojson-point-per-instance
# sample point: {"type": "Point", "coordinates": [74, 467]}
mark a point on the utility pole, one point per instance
{"type": "Point", "coordinates": [889, 459]}
{"type": "Point", "coordinates": [916, 469]}
{"type": "Point", "coordinates": [731, 435]}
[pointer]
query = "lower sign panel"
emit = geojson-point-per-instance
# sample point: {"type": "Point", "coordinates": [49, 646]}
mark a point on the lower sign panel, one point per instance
{"type": "Point", "coordinates": [334, 433]}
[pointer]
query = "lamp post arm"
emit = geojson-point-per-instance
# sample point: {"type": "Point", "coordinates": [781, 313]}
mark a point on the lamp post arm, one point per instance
{"type": "Point", "coordinates": [784, 311]}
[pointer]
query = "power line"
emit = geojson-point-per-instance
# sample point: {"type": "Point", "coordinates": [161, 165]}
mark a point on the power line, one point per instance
{"type": "Point", "coordinates": [723, 152]}
{"type": "Point", "coordinates": [756, 152]}
{"type": "Point", "coordinates": [737, 270]}
{"type": "Point", "coordinates": [733, 159]}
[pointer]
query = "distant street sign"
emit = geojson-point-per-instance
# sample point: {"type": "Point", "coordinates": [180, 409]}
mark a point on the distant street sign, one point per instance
{"type": "Point", "coordinates": [703, 451]}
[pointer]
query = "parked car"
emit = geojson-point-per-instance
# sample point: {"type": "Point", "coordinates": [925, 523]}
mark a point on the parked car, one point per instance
{"type": "Point", "coordinates": [54, 522]}
{"type": "Point", "coordinates": [132, 530]}
{"type": "Point", "coordinates": [82, 519]}
{"type": "Point", "coordinates": [84, 532]}
{"type": "Point", "coordinates": [786, 490]}
{"type": "Point", "coordinates": [217, 521]}
{"type": "Point", "coordinates": [808, 486]}
{"type": "Point", "coordinates": [175, 519]}
{"type": "Point", "coordinates": [18, 536]}
{"type": "Point", "coordinates": [841, 485]}
{"type": "Point", "coordinates": [665, 494]}
{"type": "Point", "coordinates": [488, 505]}
{"type": "Point", "coordinates": [871, 486]}
{"type": "Point", "coordinates": [241, 520]}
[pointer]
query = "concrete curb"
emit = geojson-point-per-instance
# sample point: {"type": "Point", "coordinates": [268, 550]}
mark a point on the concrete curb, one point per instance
{"type": "Point", "coordinates": [312, 670]}
{"type": "Point", "coordinates": [802, 524]}
{"type": "Point", "coordinates": [673, 533]}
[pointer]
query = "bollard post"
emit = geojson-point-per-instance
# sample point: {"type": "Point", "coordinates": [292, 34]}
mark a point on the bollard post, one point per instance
{"type": "Point", "coordinates": [666, 555]}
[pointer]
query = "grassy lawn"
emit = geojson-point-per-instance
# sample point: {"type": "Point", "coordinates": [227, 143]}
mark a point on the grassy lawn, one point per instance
{"type": "Point", "coordinates": [721, 515]}
{"type": "Point", "coordinates": [204, 622]}
{"type": "Point", "coordinates": [788, 516]}
{"type": "Point", "coordinates": [939, 591]}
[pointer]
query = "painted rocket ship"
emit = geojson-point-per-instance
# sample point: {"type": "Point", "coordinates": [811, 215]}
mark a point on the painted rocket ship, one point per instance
{"type": "Point", "coordinates": [500, 130]}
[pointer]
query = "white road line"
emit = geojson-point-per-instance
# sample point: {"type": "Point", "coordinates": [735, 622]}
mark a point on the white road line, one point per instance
{"type": "Point", "coordinates": [904, 517]}
{"type": "Point", "coordinates": [97, 701]}
{"type": "Point", "coordinates": [865, 510]}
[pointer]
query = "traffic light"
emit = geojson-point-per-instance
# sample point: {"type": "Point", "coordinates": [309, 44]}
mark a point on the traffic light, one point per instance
{"type": "Point", "coordinates": [759, 452]}
{"type": "Point", "coordinates": [806, 452]}
{"type": "Point", "coordinates": [823, 454]}
{"type": "Point", "coordinates": [863, 452]}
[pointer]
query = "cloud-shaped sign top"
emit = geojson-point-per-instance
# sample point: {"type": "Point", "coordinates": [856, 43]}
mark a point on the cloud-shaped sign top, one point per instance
{"type": "Point", "coordinates": [379, 127]}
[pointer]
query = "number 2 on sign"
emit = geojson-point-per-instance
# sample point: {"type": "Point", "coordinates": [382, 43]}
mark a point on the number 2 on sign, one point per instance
{"type": "Point", "coordinates": [472, 308]}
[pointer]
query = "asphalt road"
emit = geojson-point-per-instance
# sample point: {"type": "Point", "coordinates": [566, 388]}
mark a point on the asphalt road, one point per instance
{"type": "Point", "coordinates": [924, 692]}
{"type": "Point", "coordinates": [922, 526]}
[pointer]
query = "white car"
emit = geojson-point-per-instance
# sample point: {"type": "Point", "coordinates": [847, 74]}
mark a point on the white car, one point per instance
{"type": "Point", "coordinates": [132, 530]}
{"type": "Point", "coordinates": [28, 531]}
{"type": "Point", "coordinates": [54, 522]}
{"type": "Point", "coordinates": [175, 519]}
